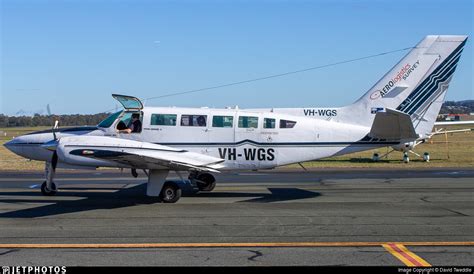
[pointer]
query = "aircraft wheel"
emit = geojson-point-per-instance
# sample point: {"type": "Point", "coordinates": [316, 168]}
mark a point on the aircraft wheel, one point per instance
{"type": "Point", "coordinates": [206, 182]}
{"type": "Point", "coordinates": [48, 192]}
{"type": "Point", "coordinates": [170, 193]}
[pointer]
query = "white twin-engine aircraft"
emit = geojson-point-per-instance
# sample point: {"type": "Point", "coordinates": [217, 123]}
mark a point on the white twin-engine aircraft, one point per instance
{"type": "Point", "coordinates": [398, 111]}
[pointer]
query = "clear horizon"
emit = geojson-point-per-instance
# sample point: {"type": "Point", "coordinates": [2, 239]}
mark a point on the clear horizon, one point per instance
{"type": "Point", "coordinates": [73, 55]}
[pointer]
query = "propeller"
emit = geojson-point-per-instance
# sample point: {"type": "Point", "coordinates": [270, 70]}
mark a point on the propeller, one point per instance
{"type": "Point", "coordinates": [53, 144]}
{"type": "Point", "coordinates": [54, 159]}
{"type": "Point", "coordinates": [56, 126]}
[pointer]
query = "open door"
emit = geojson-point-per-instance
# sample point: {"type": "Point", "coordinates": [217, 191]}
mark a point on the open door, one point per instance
{"type": "Point", "coordinates": [133, 106]}
{"type": "Point", "coordinates": [128, 102]}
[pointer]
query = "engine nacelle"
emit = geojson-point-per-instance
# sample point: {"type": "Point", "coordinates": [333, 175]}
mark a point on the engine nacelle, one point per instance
{"type": "Point", "coordinates": [67, 158]}
{"type": "Point", "coordinates": [71, 150]}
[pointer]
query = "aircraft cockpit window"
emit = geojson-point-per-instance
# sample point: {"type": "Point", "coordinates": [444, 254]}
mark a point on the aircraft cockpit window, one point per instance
{"type": "Point", "coordinates": [163, 119]}
{"type": "Point", "coordinates": [222, 121]}
{"type": "Point", "coordinates": [193, 120]}
{"type": "Point", "coordinates": [107, 122]}
{"type": "Point", "coordinates": [130, 122]}
{"type": "Point", "coordinates": [248, 122]}
{"type": "Point", "coordinates": [287, 124]}
{"type": "Point", "coordinates": [269, 123]}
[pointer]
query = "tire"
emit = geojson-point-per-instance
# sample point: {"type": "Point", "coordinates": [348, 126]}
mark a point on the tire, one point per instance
{"type": "Point", "coordinates": [206, 182]}
{"type": "Point", "coordinates": [48, 192]}
{"type": "Point", "coordinates": [134, 173]}
{"type": "Point", "coordinates": [170, 193]}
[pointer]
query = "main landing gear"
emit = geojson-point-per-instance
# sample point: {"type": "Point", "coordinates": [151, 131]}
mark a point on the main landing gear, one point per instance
{"type": "Point", "coordinates": [157, 186]}
{"type": "Point", "coordinates": [170, 193]}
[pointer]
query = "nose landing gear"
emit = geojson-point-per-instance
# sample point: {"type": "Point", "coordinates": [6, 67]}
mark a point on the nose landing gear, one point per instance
{"type": "Point", "coordinates": [48, 191]}
{"type": "Point", "coordinates": [49, 188]}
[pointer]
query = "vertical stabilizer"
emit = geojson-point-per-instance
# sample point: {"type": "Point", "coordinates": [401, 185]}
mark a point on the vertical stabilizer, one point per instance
{"type": "Point", "coordinates": [416, 85]}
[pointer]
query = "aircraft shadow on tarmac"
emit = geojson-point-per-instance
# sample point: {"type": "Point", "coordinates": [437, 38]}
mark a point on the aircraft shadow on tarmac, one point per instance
{"type": "Point", "coordinates": [127, 197]}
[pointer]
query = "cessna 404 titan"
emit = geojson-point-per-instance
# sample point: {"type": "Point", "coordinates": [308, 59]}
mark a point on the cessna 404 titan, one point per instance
{"type": "Point", "coordinates": [398, 111]}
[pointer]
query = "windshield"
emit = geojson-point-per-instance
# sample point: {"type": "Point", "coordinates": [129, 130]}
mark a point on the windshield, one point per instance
{"type": "Point", "coordinates": [107, 122]}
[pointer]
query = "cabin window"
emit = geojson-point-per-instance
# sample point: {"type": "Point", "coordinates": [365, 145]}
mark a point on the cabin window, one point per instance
{"type": "Point", "coordinates": [222, 121]}
{"type": "Point", "coordinates": [163, 120]}
{"type": "Point", "coordinates": [248, 122]}
{"type": "Point", "coordinates": [269, 123]}
{"type": "Point", "coordinates": [193, 120]}
{"type": "Point", "coordinates": [287, 124]}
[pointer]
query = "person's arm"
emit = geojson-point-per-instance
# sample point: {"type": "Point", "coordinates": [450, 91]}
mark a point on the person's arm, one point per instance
{"type": "Point", "coordinates": [127, 130]}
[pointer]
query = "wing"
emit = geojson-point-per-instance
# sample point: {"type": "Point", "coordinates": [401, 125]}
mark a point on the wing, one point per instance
{"type": "Point", "coordinates": [134, 154]}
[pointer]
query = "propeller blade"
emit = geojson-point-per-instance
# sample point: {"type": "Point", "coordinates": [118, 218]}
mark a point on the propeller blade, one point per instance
{"type": "Point", "coordinates": [54, 160]}
{"type": "Point", "coordinates": [56, 125]}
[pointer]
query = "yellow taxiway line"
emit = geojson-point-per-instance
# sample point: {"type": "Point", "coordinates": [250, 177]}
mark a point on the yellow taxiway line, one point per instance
{"type": "Point", "coordinates": [397, 249]}
{"type": "Point", "coordinates": [197, 245]}
{"type": "Point", "coordinates": [404, 255]}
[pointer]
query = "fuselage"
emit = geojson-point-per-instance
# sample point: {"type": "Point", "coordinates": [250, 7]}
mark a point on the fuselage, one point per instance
{"type": "Point", "coordinates": [244, 139]}
{"type": "Point", "coordinates": [406, 99]}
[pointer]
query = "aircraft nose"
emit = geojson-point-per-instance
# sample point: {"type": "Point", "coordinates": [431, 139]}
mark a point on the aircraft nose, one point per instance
{"type": "Point", "coordinates": [7, 144]}
{"type": "Point", "coordinates": [29, 146]}
{"type": "Point", "coordinates": [14, 145]}
{"type": "Point", "coordinates": [11, 143]}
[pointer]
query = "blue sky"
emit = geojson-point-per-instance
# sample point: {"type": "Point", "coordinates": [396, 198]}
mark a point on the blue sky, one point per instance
{"type": "Point", "coordinates": [74, 54]}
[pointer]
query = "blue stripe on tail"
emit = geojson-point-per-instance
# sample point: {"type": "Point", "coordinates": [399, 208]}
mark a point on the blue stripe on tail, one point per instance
{"type": "Point", "coordinates": [429, 86]}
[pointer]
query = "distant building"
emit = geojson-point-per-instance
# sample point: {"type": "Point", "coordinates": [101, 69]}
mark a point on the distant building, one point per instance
{"type": "Point", "coordinates": [455, 117]}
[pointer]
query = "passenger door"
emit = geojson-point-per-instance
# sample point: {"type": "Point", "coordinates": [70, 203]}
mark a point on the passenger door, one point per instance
{"type": "Point", "coordinates": [221, 135]}
{"type": "Point", "coordinates": [194, 132]}
{"type": "Point", "coordinates": [247, 133]}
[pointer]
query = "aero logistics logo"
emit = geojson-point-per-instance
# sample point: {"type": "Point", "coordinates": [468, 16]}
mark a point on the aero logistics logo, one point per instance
{"type": "Point", "coordinates": [403, 74]}
{"type": "Point", "coordinates": [376, 94]}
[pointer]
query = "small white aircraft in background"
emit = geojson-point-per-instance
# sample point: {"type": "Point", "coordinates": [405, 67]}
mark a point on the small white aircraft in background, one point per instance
{"type": "Point", "coordinates": [409, 147]}
{"type": "Point", "coordinates": [399, 110]}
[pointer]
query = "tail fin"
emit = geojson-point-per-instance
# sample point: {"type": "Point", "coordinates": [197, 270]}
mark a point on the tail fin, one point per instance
{"type": "Point", "coordinates": [424, 103]}
{"type": "Point", "coordinates": [418, 83]}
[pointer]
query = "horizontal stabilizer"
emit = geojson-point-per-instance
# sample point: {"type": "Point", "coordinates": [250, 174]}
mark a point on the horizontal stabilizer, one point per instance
{"type": "Point", "coordinates": [392, 125]}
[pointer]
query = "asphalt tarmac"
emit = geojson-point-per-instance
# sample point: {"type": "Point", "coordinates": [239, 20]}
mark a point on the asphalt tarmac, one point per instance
{"type": "Point", "coordinates": [293, 217]}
